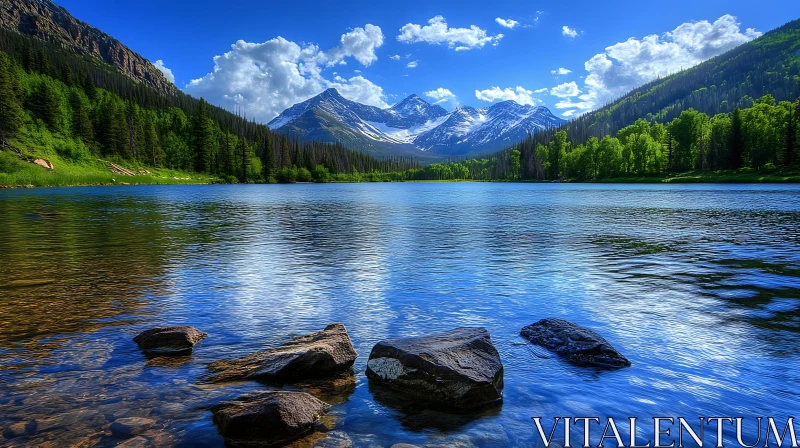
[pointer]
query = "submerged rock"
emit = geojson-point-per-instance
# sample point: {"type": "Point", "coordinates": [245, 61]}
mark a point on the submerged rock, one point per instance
{"type": "Point", "coordinates": [314, 355]}
{"type": "Point", "coordinates": [578, 344]}
{"type": "Point", "coordinates": [267, 418]}
{"type": "Point", "coordinates": [131, 426]}
{"type": "Point", "coordinates": [178, 339]}
{"type": "Point", "coordinates": [459, 368]}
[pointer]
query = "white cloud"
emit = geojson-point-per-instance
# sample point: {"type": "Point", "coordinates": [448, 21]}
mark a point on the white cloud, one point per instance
{"type": "Point", "coordinates": [440, 95]}
{"type": "Point", "coordinates": [412, 64]}
{"type": "Point", "coordinates": [506, 23]}
{"type": "Point", "coordinates": [438, 32]}
{"type": "Point", "coordinates": [561, 71]}
{"type": "Point", "coordinates": [566, 90]}
{"type": "Point", "coordinates": [265, 78]}
{"type": "Point", "coordinates": [630, 64]}
{"type": "Point", "coordinates": [360, 90]}
{"type": "Point", "coordinates": [360, 43]}
{"type": "Point", "coordinates": [542, 90]}
{"type": "Point", "coordinates": [163, 68]}
{"type": "Point", "coordinates": [395, 57]}
{"type": "Point", "coordinates": [519, 94]}
{"type": "Point", "coordinates": [569, 32]}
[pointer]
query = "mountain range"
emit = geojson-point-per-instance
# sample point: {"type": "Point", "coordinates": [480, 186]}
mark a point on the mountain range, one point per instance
{"type": "Point", "coordinates": [412, 126]}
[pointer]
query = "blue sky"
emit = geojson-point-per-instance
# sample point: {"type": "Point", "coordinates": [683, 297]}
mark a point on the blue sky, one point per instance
{"type": "Point", "coordinates": [459, 55]}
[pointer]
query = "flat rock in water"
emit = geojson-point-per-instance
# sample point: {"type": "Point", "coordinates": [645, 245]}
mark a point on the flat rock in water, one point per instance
{"type": "Point", "coordinates": [267, 418]}
{"type": "Point", "coordinates": [314, 355]}
{"type": "Point", "coordinates": [459, 368]}
{"type": "Point", "coordinates": [131, 426]}
{"type": "Point", "coordinates": [178, 339]}
{"type": "Point", "coordinates": [578, 344]}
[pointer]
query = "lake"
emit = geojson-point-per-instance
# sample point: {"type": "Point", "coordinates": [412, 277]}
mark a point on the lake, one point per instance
{"type": "Point", "coordinates": [698, 285]}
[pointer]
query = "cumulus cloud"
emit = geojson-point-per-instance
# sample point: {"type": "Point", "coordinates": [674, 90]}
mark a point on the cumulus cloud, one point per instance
{"type": "Point", "coordinates": [438, 32]}
{"type": "Point", "coordinates": [360, 43]}
{"type": "Point", "coordinates": [569, 32]}
{"type": "Point", "coordinates": [561, 71]}
{"type": "Point", "coordinates": [507, 23]}
{"type": "Point", "coordinates": [265, 78]}
{"type": "Point", "coordinates": [412, 64]}
{"type": "Point", "coordinates": [440, 95]}
{"type": "Point", "coordinates": [518, 94]}
{"type": "Point", "coordinates": [163, 68]}
{"type": "Point", "coordinates": [395, 57]}
{"type": "Point", "coordinates": [630, 64]}
{"type": "Point", "coordinates": [566, 90]}
{"type": "Point", "coordinates": [542, 90]}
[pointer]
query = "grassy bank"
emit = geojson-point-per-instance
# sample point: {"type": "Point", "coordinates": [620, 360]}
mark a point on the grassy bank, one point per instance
{"type": "Point", "coordinates": [744, 176]}
{"type": "Point", "coordinates": [14, 172]}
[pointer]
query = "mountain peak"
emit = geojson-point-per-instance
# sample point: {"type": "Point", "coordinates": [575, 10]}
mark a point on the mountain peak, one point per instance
{"type": "Point", "coordinates": [330, 93]}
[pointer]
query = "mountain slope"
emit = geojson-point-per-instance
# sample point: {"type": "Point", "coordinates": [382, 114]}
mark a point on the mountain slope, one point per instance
{"type": "Point", "coordinates": [52, 23]}
{"type": "Point", "coordinates": [769, 64]}
{"type": "Point", "coordinates": [412, 126]}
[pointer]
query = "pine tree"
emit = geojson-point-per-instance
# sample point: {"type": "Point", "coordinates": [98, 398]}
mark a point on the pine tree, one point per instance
{"type": "Point", "coordinates": [268, 160]}
{"type": "Point", "coordinates": [81, 121]}
{"type": "Point", "coordinates": [151, 144]}
{"type": "Point", "coordinates": [66, 75]}
{"type": "Point", "coordinates": [88, 86]}
{"type": "Point", "coordinates": [134, 126]}
{"type": "Point", "coordinates": [737, 140]}
{"type": "Point", "coordinates": [202, 135]}
{"type": "Point", "coordinates": [244, 153]}
{"type": "Point", "coordinates": [42, 64]}
{"type": "Point", "coordinates": [45, 105]}
{"type": "Point", "coordinates": [10, 104]}
{"type": "Point", "coordinates": [28, 60]}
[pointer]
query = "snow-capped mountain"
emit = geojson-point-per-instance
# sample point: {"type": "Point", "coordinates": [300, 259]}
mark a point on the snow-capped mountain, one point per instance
{"type": "Point", "coordinates": [412, 126]}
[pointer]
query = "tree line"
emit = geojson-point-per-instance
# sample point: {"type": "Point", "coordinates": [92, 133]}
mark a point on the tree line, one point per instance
{"type": "Point", "coordinates": [89, 110]}
{"type": "Point", "coordinates": [763, 136]}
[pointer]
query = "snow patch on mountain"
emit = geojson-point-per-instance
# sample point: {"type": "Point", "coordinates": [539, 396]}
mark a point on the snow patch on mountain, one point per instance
{"type": "Point", "coordinates": [413, 121]}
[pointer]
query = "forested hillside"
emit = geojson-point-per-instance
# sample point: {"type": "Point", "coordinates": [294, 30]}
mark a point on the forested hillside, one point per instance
{"type": "Point", "coordinates": [736, 111]}
{"type": "Point", "coordinates": [768, 65]}
{"type": "Point", "coordinates": [763, 137]}
{"type": "Point", "coordinates": [82, 109]}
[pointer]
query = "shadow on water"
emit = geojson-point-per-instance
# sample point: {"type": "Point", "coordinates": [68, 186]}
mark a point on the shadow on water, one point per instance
{"type": "Point", "coordinates": [417, 415]}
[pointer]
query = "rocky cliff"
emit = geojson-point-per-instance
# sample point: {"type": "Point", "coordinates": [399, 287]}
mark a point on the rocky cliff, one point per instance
{"type": "Point", "coordinates": [52, 23]}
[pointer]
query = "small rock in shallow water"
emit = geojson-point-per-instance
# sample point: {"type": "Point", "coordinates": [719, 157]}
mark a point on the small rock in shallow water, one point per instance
{"type": "Point", "coordinates": [334, 439]}
{"type": "Point", "coordinates": [318, 354]}
{"type": "Point", "coordinates": [459, 368]}
{"type": "Point", "coordinates": [136, 442]}
{"type": "Point", "coordinates": [267, 418]}
{"type": "Point", "coordinates": [19, 429]}
{"type": "Point", "coordinates": [131, 426]}
{"type": "Point", "coordinates": [178, 339]}
{"type": "Point", "coordinates": [578, 344]}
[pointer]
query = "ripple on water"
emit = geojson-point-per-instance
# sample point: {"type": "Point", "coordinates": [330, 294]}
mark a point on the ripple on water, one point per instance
{"type": "Point", "coordinates": [697, 285]}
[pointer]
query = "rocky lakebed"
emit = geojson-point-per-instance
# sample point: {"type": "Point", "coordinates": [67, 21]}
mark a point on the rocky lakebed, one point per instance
{"type": "Point", "coordinates": [457, 372]}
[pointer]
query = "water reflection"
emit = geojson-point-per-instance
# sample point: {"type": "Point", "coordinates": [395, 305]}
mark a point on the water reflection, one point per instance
{"type": "Point", "coordinates": [697, 285]}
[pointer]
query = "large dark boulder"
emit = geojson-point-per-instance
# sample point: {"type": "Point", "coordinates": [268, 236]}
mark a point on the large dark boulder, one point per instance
{"type": "Point", "coordinates": [578, 344]}
{"type": "Point", "coordinates": [269, 418]}
{"type": "Point", "coordinates": [459, 368]}
{"type": "Point", "coordinates": [314, 355]}
{"type": "Point", "coordinates": [178, 339]}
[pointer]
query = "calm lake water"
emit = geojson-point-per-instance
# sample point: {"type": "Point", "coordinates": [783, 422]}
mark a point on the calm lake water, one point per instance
{"type": "Point", "coordinates": [699, 286]}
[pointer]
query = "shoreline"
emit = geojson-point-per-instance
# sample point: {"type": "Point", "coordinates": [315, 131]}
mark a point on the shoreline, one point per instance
{"type": "Point", "coordinates": [709, 178]}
